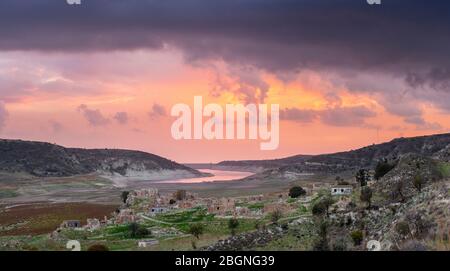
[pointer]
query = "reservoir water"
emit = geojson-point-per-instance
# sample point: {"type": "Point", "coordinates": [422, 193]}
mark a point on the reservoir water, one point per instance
{"type": "Point", "coordinates": [219, 175]}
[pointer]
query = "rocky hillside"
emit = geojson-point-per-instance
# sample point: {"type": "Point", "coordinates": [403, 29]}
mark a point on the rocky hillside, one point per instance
{"type": "Point", "coordinates": [436, 146]}
{"type": "Point", "coordinates": [50, 160]}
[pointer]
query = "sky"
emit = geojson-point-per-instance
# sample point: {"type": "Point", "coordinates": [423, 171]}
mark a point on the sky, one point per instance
{"type": "Point", "coordinates": [106, 73]}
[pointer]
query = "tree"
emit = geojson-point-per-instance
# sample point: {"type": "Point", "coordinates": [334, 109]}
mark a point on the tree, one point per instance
{"type": "Point", "coordinates": [133, 228]}
{"type": "Point", "coordinates": [138, 231]}
{"type": "Point", "coordinates": [98, 247]}
{"type": "Point", "coordinates": [418, 182]}
{"type": "Point", "coordinates": [322, 207]}
{"type": "Point", "coordinates": [233, 224]}
{"type": "Point", "coordinates": [382, 168]}
{"type": "Point", "coordinates": [296, 192]}
{"type": "Point", "coordinates": [327, 202]}
{"type": "Point", "coordinates": [196, 230]}
{"type": "Point", "coordinates": [362, 177]}
{"type": "Point", "coordinates": [366, 195]}
{"type": "Point", "coordinates": [124, 196]}
{"type": "Point", "coordinates": [275, 216]}
{"type": "Point", "coordinates": [319, 209]}
{"type": "Point", "coordinates": [142, 232]}
{"type": "Point", "coordinates": [180, 194]}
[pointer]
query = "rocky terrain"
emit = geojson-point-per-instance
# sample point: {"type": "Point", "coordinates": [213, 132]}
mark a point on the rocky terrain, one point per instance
{"type": "Point", "coordinates": [49, 160]}
{"type": "Point", "coordinates": [434, 146]}
{"type": "Point", "coordinates": [247, 241]}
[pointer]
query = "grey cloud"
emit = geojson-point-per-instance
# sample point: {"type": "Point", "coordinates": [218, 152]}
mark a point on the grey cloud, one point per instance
{"type": "Point", "coordinates": [347, 116]}
{"type": "Point", "coordinates": [93, 116]}
{"type": "Point", "coordinates": [243, 81]}
{"type": "Point", "coordinates": [157, 111]}
{"type": "Point", "coordinates": [121, 117]}
{"type": "Point", "coordinates": [400, 39]}
{"type": "Point", "coordinates": [275, 35]}
{"type": "Point", "coordinates": [338, 116]}
{"type": "Point", "coordinates": [19, 79]}
{"type": "Point", "coordinates": [436, 78]}
{"type": "Point", "coordinates": [299, 115]}
{"type": "Point", "coordinates": [422, 124]}
{"type": "Point", "coordinates": [56, 126]}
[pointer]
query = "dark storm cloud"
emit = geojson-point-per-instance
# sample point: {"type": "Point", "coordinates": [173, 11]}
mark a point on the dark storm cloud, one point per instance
{"type": "Point", "coordinates": [405, 37]}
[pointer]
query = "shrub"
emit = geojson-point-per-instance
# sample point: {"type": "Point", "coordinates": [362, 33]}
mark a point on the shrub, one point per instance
{"type": "Point", "coordinates": [383, 168]}
{"type": "Point", "coordinates": [319, 209]}
{"type": "Point", "coordinates": [233, 223]}
{"type": "Point", "coordinates": [357, 237]}
{"type": "Point", "coordinates": [296, 192]}
{"type": "Point", "coordinates": [275, 216]}
{"type": "Point", "coordinates": [138, 231]}
{"type": "Point", "coordinates": [196, 230]}
{"type": "Point", "coordinates": [124, 196]}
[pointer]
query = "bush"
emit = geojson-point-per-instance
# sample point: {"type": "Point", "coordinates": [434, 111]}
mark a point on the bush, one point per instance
{"type": "Point", "coordinates": [138, 231]}
{"type": "Point", "coordinates": [233, 223]}
{"type": "Point", "coordinates": [98, 247]}
{"type": "Point", "coordinates": [124, 196]}
{"type": "Point", "coordinates": [318, 209]}
{"type": "Point", "coordinates": [296, 192]}
{"type": "Point", "coordinates": [275, 216]}
{"type": "Point", "coordinates": [418, 182]}
{"type": "Point", "coordinates": [322, 243]}
{"type": "Point", "coordinates": [357, 237]}
{"type": "Point", "coordinates": [383, 168]}
{"type": "Point", "coordinates": [196, 230]}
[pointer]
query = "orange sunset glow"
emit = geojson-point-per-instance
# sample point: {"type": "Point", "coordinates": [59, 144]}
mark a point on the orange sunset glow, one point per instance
{"type": "Point", "coordinates": [138, 83]}
{"type": "Point", "coordinates": [111, 81]}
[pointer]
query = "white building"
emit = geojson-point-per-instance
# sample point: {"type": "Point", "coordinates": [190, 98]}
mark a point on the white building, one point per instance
{"type": "Point", "coordinates": [340, 190]}
{"type": "Point", "coordinates": [148, 243]}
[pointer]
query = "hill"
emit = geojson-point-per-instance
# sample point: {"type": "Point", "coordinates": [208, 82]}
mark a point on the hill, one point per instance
{"type": "Point", "coordinates": [49, 160]}
{"type": "Point", "coordinates": [429, 146]}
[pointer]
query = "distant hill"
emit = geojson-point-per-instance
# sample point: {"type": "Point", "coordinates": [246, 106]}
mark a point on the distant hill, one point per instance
{"type": "Point", "coordinates": [49, 160]}
{"type": "Point", "coordinates": [430, 146]}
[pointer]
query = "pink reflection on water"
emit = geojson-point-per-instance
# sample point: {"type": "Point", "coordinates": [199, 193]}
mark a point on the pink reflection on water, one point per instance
{"type": "Point", "coordinates": [219, 175]}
